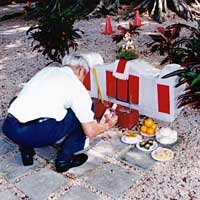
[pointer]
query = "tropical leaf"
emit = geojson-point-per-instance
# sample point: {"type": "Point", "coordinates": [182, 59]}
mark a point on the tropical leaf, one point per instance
{"type": "Point", "coordinates": [190, 76]}
{"type": "Point", "coordinates": [132, 30]}
{"type": "Point", "coordinates": [175, 73]}
{"type": "Point", "coordinates": [165, 60]}
{"type": "Point", "coordinates": [154, 48]}
{"type": "Point", "coordinates": [196, 80]}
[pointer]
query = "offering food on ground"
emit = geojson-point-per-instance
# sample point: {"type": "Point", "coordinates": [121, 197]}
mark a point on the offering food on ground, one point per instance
{"type": "Point", "coordinates": [146, 144]}
{"type": "Point", "coordinates": [154, 126]}
{"type": "Point", "coordinates": [148, 122]}
{"type": "Point", "coordinates": [166, 136]}
{"type": "Point", "coordinates": [162, 154]}
{"type": "Point", "coordinates": [131, 137]}
{"type": "Point", "coordinates": [143, 128]}
{"type": "Point", "coordinates": [149, 127]}
{"type": "Point", "coordinates": [142, 144]}
{"type": "Point", "coordinates": [129, 133]}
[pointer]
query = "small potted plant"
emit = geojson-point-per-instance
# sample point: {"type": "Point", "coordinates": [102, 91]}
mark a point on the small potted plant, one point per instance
{"type": "Point", "coordinates": [130, 54]}
{"type": "Point", "coordinates": [128, 50]}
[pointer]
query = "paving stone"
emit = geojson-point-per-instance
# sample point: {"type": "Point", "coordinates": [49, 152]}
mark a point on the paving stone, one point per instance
{"type": "Point", "coordinates": [112, 180]}
{"type": "Point", "coordinates": [92, 163]}
{"type": "Point", "coordinates": [110, 147]}
{"type": "Point", "coordinates": [5, 147]}
{"type": "Point", "coordinates": [79, 193]}
{"type": "Point", "coordinates": [7, 195]}
{"type": "Point", "coordinates": [41, 184]}
{"type": "Point", "coordinates": [12, 167]}
{"type": "Point", "coordinates": [138, 158]}
{"type": "Point", "coordinates": [47, 153]}
{"type": "Point", "coordinates": [172, 146]}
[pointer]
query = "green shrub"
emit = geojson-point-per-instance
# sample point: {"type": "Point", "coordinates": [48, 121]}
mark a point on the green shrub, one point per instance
{"type": "Point", "coordinates": [54, 33]}
{"type": "Point", "coordinates": [189, 75]}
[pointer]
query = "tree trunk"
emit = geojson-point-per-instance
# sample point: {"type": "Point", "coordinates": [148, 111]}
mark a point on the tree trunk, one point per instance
{"type": "Point", "coordinates": [158, 8]}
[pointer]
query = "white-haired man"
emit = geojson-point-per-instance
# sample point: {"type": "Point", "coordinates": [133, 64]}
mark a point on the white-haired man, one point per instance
{"type": "Point", "coordinates": [52, 105]}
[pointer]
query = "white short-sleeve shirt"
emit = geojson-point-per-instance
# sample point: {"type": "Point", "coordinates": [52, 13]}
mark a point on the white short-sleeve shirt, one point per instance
{"type": "Point", "coordinates": [49, 93]}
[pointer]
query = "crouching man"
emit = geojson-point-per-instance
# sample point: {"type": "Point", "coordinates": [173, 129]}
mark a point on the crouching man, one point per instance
{"type": "Point", "coordinates": [54, 104]}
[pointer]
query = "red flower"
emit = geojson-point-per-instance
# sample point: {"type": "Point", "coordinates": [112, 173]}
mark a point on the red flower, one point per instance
{"type": "Point", "coordinates": [161, 30]}
{"type": "Point", "coordinates": [69, 42]}
{"type": "Point", "coordinates": [120, 28]}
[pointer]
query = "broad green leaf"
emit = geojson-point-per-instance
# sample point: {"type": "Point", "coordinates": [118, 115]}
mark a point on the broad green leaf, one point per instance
{"type": "Point", "coordinates": [196, 80]}
{"type": "Point", "coordinates": [198, 22]}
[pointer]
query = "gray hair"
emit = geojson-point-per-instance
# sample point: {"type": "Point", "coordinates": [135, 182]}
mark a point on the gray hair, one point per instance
{"type": "Point", "coordinates": [74, 61]}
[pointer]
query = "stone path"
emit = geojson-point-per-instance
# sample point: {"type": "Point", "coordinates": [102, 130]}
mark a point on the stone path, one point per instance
{"type": "Point", "coordinates": [112, 168]}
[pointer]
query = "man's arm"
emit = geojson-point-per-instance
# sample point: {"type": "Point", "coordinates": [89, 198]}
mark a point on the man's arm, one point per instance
{"type": "Point", "coordinates": [92, 129]}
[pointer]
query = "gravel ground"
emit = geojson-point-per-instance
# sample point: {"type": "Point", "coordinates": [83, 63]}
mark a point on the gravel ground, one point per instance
{"type": "Point", "coordinates": [178, 179]}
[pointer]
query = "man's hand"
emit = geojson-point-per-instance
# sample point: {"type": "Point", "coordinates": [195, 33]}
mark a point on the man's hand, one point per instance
{"type": "Point", "coordinates": [111, 121]}
{"type": "Point", "coordinates": [92, 129]}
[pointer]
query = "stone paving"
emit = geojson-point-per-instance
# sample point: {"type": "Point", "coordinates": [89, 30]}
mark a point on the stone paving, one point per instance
{"type": "Point", "coordinates": [112, 168]}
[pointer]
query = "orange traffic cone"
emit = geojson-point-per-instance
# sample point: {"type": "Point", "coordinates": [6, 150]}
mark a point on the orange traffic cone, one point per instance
{"type": "Point", "coordinates": [108, 28]}
{"type": "Point", "coordinates": [137, 20]}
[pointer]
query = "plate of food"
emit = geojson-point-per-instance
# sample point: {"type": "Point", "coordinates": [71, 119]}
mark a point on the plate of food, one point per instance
{"type": "Point", "coordinates": [131, 137]}
{"type": "Point", "coordinates": [148, 128]}
{"type": "Point", "coordinates": [147, 135]}
{"type": "Point", "coordinates": [162, 154]}
{"type": "Point", "coordinates": [166, 136]}
{"type": "Point", "coordinates": [147, 145]}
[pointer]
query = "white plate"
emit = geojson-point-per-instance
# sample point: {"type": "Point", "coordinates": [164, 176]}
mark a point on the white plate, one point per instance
{"type": "Point", "coordinates": [149, 136]}
{"type": "Point", "coordinates": [134, 140]}
{"type": "Point", "coordinates": [162, 149]}
{"type": "Point", "coordinates": [153, 147]}
{"type": "Point", "coordinates": [166, 144]}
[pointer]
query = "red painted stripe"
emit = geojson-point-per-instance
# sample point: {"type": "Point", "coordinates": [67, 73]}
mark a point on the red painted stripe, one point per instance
{"type": "Point", "coordinates": [122, 90]}
{"type": "Point", "coordinates": [121, 66]}
{"type": "Point", "coordinates": [86, 81]}
{"type": "Point", "coordinates": [134, 85]}
{"type": "Point", "coordinates": [110, 84]}
{"type": "Point", "coordinates": [163, 98]}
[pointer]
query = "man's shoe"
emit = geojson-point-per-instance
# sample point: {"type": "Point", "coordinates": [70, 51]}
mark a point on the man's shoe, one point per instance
{"type": "Point", "coordinates": [75, 161]}
{"type": "Point", "coordinates": [27, 157]}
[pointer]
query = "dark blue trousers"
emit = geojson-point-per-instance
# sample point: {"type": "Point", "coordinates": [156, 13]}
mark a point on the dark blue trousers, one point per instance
{"type": "Point", "coordinates": [43, 132]}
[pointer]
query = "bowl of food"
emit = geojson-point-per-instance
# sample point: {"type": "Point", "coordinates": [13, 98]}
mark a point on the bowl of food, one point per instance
{"type": "Point", "coordinates": [162, 154]}
{"type": "Point", "coordinates": [147, 145]}
{"type": "Point", "coordinates": [166, 136]}
{"type": "Point", "coordinates": [131, 137]}
{"type": "Point", "coordinates": [148, 128]}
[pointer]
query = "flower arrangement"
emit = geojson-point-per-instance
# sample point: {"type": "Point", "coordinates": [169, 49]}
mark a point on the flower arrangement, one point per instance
{"type": "Point", "coordinates": [128, 50]}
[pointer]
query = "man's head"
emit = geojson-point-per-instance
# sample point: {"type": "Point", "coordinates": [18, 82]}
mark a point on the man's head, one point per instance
{"type": "Point", "coordinates": [78, 64]}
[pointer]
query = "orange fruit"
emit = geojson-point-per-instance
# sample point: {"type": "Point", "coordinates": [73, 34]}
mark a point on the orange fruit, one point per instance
{"type": "Point", "coordinates": [143, 129]}
{"type": "Point", "coordinates": [149, 122]}
{"type": "Point", "coordinates": [150, 131]}
{"type": "Point", "coordinates": [154, 126]}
